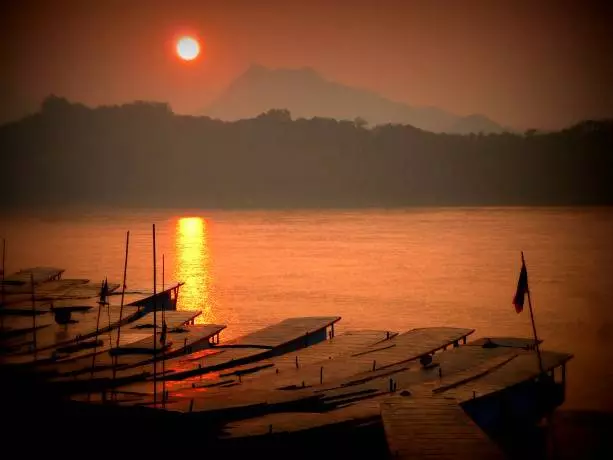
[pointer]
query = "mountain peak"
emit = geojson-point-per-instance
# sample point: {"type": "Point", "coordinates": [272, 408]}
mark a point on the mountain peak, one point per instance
{"type": "Point", "coordinates": [306, 93]}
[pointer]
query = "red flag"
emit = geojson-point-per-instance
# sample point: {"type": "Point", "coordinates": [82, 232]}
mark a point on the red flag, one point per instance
{"type": "Point", "coordinates": [522, 287]}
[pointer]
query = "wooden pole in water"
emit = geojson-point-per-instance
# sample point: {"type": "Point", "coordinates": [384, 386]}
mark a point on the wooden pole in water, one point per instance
{"type": "Point", "coordinates": [123, 286]}
{"type": "Point", "coordinates": [2, 274]}
{"type": "Point", "coordinates": [163, 329]}
{"type": "Point", "coordinates": [101, 302]}
{"type": "Point", "coordinates": [155, 324]}
{"type": "Point", "coordinates": [33, 312]}
{"type": "Point", "coordinates": [123, 293]}
{"type": "Point", "coordinates": [3, 266]}
{"type": "Point", "coordinates": [536, 340]}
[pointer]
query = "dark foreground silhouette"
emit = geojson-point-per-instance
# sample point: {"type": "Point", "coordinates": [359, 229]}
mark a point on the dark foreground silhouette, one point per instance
{"type": "Point", "coordinates": [142, 154]}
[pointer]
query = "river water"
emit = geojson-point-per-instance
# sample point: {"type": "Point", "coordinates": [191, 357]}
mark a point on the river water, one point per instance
{"type": "Point", "coordinates": [377, 269]}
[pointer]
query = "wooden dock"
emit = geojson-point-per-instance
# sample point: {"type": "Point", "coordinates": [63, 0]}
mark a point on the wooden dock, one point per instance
{"type": "Point", "coordinates": [434, 428]}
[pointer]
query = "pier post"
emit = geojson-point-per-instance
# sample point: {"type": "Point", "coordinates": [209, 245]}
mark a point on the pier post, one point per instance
{"type": "Point", "coordinates": [374, 365]}
{"type": "Point", "coordinates": [321, 375]}
{"type": "Point", "coordinates": [297, 366]}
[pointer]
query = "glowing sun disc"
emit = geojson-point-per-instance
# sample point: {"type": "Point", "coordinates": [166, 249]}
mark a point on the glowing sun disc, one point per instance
{"type": "Point", "coordinates": [188, 48]}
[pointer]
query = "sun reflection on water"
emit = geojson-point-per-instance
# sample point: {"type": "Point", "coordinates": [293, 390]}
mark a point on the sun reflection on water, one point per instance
{"type": "Point", "coordinates": [192, 267]}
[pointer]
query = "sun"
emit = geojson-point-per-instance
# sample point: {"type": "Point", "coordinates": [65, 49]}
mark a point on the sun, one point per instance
{"type": "Point", "coordinates": [188, 48]}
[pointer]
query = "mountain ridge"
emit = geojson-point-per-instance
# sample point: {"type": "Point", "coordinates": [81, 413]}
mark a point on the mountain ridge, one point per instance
{"type": "Point", "coordinates": [307, 94]}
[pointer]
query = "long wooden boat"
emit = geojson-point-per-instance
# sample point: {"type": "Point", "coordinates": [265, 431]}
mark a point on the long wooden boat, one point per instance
{"type": "Point", "coordinates": [283, 337]}
{"type": "Point", "coordinates": [85, 326]}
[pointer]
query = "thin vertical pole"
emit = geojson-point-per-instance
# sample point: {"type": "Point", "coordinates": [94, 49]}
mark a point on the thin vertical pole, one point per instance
{"type": "Point", "coordinates": [101, 302]}
{"type": "Point", "coordinates": [123, 286]}
{"type": "Point", "coordinates": [536, 340]}
{"type": "Point", "coordinates": [155, 324]}
{"type": "Point", "coordinates": [2, 274]}
{"type": "Point", "coordinates": [123, 293]}
{"type": "Point", "coordinates": [163, 329]}
{"type": "Point", "coordinates": [33, 312]}
{"type": "Point", "coordinates": [3, 266]}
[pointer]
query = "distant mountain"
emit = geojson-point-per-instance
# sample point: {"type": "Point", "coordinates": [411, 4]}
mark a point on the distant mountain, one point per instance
{"type": "Point", "coordinates": [306, 94]}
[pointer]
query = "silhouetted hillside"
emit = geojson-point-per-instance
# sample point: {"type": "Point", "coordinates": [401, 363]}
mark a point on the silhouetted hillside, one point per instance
{"type": "Point", "coordinates": [307, 94]}
{"type": "Point", "coordinates": [142, 154]}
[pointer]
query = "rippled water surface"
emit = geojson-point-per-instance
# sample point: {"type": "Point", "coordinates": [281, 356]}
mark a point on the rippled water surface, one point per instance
{"type": "Point", "coordinates": [378, 269]}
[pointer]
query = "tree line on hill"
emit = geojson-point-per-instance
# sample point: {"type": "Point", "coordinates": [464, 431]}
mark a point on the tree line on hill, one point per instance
{"type": "Point", "coordinates": [142, 154]}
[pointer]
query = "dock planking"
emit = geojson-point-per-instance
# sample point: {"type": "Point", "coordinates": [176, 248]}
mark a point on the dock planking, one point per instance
{"type": "Point", "coordinates": [434, 428]}
{"type": "Point", "coordinates": [272, 386]}
{"type": "Point", "coordinates": [342, 344]}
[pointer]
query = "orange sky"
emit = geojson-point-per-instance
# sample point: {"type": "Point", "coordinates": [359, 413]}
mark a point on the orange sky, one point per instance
{"type": "Point", "coordinates": [522, 63]}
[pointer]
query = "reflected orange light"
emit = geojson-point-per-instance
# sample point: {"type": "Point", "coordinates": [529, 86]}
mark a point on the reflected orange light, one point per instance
{"type": "Point", "coordinates": [192, 267]}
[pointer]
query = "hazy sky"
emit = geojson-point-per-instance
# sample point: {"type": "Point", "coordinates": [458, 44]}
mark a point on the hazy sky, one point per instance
{"type": "Point", "coordinates": [541, 64]}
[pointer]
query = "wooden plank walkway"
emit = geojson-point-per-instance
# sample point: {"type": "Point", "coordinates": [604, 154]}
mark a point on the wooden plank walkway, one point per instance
{"type": "Point", "coordinates": [434, 428]}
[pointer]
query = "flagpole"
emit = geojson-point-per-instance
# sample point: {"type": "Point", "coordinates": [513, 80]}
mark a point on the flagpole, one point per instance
{"type": "Point", "coordinates": [536, 340]}
{"type": "Point", "coordinates": [2, 273]}
{"type": "Point", "coordinates": [155, 325]}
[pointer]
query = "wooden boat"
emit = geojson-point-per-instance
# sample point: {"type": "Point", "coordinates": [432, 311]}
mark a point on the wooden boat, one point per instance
{"type": "Point", "coordinates": [136, 347]}
{"type": "Point", "coordinates": [288, 335]}
{"type": "Point", "coordinates": [497, 387]}
{"type": "Point", "coordinates": [85, 325]}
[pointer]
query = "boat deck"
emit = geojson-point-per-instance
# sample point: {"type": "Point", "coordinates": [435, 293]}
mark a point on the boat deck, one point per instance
{"type": "Point", "coordinates": [433, 428]}
{"type": "Point", "coordinates": [276, 339]}
{"type": "Point", "coordinates": [342, 344]}
{"type": "Point", "coordinates": [135, 342]}
{"type": "Point", "coordinates": [302, 381]}
{"type": "Point", "coordinates": [82, 326]}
